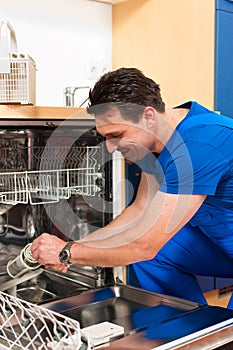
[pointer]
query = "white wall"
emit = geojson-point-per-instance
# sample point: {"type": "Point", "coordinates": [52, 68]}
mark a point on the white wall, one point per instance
{"type": "Point", "coordinates": [65, 38]}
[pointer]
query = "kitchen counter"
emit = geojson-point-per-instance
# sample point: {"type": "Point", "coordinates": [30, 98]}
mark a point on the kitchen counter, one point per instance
{"type": "Point", "coordinates": [15, 111]}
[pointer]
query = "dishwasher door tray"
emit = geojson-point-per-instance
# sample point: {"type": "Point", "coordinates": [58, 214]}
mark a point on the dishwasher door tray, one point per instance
{"type": "Point", "coordinates": [151, 320]}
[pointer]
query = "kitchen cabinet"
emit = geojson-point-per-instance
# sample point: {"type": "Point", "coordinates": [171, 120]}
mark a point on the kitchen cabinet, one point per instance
{"type": "Point", "coordinates": [187, 49]}
{"type": "Point", "coordinates": [170, 41]}
{"type": "Point", "coordinates": [224, 57]}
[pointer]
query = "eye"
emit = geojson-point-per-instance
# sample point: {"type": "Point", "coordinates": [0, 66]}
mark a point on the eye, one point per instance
{"type": "Point", "coordinates": [113, 136]}
{"type": "Point", "coordinates": [117, 136]}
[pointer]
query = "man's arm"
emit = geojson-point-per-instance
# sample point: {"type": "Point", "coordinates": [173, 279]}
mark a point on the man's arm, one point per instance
{"type": "Point", "coordinates": [163, 216]}
{"type": "Point", "coordinates": [47, 247]}
{"type": "Point", "coordinates": [167, 215]}
{"type": "Point", "coordinates": [130, 216]}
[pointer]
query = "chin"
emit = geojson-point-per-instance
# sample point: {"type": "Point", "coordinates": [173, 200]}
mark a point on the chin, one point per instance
{"type": "Point", "coordinates": [132, 158]}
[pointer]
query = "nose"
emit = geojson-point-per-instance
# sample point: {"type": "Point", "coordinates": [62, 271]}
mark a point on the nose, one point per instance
{"type": "Point", "coordinates": [111, 145]}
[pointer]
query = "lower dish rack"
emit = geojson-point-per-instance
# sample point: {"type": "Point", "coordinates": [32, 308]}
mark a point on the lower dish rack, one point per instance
{"type": "Point", "coordinates": [28, 326]}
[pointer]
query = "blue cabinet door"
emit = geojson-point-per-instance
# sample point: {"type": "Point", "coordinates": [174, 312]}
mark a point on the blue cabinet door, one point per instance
{"type": "Point", "coordinates": [224, 57]}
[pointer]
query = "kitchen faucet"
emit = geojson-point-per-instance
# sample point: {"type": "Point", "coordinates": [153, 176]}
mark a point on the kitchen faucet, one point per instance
{"type": "Point", "coordinates": [69, 93]}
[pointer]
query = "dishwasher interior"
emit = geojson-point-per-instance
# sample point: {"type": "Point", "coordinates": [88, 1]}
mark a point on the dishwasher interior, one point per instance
{"type": "Point", "coordinates": [56, 177]}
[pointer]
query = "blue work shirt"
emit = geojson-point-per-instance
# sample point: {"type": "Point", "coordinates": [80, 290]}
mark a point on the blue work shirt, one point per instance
{"type": "Point", "coordinates": [198, 159]}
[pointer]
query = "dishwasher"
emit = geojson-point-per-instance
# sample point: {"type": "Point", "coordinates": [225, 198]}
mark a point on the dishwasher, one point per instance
{"type": "Point", "coordinates": [56, 176]}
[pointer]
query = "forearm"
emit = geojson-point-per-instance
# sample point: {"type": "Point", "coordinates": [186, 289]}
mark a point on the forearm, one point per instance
{"type": "Point", "coordinates": [122, 248]}
{"type": "Point", "coordinates": [165, 215]}
{"type": "Point", "coordinates": [105, 257]}
{"type": "Point", "coordinates": [131, 216]}
{"type": "Point", "coordinates": [143, 241]}
{"type": "Point", "coordinates": [128, 219]}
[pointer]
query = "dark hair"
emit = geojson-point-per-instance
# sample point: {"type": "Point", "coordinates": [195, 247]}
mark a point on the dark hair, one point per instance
{"type": "Point", "coordinates": [129, 90]}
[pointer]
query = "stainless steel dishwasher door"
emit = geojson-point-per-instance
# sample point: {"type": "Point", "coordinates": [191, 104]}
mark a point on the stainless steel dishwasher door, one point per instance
{"type": "Point", "coordinates": [150, 320]}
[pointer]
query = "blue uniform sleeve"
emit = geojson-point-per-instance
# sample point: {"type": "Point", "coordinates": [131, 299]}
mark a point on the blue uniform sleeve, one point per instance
{"type": "Point", "coordinates": [192, 167]}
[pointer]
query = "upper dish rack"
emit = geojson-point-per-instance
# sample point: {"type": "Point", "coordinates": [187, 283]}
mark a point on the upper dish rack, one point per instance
{"type": "Point", "coordinates": [60, 173]}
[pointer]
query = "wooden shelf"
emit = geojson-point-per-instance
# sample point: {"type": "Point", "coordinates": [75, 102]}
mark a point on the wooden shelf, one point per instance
{"type": "Point", "coordinates": [40, 112]}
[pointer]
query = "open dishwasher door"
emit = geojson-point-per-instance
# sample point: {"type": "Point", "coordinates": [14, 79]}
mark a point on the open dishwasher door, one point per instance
{"type": "Point", "coordinates": [147, 320]}
{"type": "Point", "coordinates": [118, 317]}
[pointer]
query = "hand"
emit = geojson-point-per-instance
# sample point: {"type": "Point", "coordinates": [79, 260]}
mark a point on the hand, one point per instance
{"type": "Point", "coordinates": [46, 248]}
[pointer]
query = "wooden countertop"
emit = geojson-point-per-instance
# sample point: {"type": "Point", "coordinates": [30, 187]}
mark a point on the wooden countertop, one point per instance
{"type": "Point", "coordinates": [15, 111]}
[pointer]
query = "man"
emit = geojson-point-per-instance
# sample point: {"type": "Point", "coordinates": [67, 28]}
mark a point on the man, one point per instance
{"type": "Point", "coordinates": [181, 222]}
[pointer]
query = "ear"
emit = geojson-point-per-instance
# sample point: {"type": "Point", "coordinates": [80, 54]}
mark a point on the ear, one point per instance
{"type": "Point", "coordinates": [150, 116]}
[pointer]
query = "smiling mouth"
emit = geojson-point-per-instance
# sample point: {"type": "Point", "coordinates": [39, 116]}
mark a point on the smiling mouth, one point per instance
{"type": "Point", "coordinates": [127, 157]}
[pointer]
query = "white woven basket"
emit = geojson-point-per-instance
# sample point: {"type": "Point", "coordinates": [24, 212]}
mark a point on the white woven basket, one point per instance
{"type": "Point", "coordinates": [17, 70]}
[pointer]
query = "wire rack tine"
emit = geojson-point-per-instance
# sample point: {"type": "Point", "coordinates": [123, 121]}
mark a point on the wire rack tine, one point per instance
{"type": "Point", "coordinates": [32, 327]}
{"type": "Point", "coordinates": [63, 171]}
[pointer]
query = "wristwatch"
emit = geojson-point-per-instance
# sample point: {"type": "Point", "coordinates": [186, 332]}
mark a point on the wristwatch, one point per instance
{"type": "Point", "coordinates": [64, 254]}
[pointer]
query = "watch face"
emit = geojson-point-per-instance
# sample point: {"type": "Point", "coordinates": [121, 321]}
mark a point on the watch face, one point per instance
{"type": "Point", "coordinates": [64, 256]}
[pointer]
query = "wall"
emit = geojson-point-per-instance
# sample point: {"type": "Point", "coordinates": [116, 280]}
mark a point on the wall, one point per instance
{"type": "Point", "coordinates": [65, 38]}
{"type": "Point", "coordinates": [172, 41]}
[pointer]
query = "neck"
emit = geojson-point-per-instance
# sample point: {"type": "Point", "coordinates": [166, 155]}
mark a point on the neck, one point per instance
{"type": "Point", "coordinates": [167, 122]}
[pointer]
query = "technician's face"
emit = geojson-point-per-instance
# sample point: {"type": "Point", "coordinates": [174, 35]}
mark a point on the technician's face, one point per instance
{"type": "Point", "coordinates": [132, 140]}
